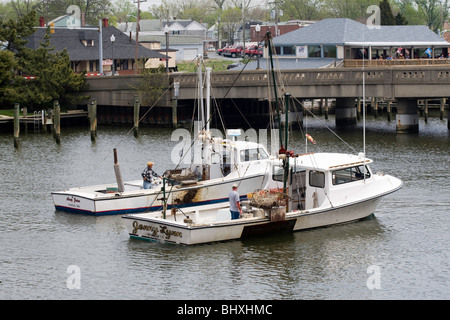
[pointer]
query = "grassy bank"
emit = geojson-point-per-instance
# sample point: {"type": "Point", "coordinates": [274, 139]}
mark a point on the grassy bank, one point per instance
{"type": "Point", "coordinates": [8, 112]}
{"type": "Point", "coordinates": [214, 64]}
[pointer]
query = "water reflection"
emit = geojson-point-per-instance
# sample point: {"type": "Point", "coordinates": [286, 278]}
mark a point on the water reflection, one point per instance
{"type": "Point", "coordinates": [410, 229]}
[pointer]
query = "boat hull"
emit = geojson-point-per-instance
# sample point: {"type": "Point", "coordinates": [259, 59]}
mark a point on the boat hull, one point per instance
{"type": "Point", "coordinates": [89, 201]}
{"type": "Point", "coordinates": [163, 230]}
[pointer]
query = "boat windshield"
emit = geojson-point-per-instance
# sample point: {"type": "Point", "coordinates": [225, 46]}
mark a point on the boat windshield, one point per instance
{"type": "Point", "coordinates": [349, 174]}
{"type": "Point", "coordinates": [253, 154]}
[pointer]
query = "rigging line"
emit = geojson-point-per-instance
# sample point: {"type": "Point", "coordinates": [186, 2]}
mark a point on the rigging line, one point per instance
{"type": "Point", "coordinates": [323, 123]}
{"type": "Point", "coordinates": [243, 116]}
{"type": "Point", "coordinates": [237, 77]}
{"type": "Point", "coordinates": [131, 130]}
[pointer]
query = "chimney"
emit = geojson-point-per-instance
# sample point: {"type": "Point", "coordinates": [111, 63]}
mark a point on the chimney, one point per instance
{"type": "Point", "coordinates": [105, 22]}
{"type": "Point", "coordinates": [41, 21]}
{"type": "Point", "coordinates": [83, 19]}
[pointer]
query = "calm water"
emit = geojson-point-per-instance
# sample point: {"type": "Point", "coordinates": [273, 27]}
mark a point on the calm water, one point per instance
{"type": "Point", "coordinates": [408, 240]}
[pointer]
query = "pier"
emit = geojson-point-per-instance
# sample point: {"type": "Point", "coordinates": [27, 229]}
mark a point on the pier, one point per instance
{"type": "Point", "coordinates": [39, 122]}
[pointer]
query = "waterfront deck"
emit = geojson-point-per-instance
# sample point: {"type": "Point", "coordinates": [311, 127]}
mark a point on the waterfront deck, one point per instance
{"type": "Point", "coordinates": [33, 118]}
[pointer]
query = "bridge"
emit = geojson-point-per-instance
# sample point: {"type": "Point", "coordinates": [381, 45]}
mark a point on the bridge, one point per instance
{"type": "Point", "coordinates": [404, 85]}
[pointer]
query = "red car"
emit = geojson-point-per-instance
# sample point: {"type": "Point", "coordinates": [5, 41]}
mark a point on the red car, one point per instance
{"type": "Point", "coordinates": [233, 51]}
{"type": "Point", "coordinates": [220, 51]}
{"type": "Point", "coordinates": [254, 51]}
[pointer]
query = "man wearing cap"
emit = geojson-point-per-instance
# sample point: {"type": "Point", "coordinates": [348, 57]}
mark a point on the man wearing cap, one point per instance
{"type": "Point", "coordinates": [235, 205]}
{"type": "Point", "coordinates": [149, 176]}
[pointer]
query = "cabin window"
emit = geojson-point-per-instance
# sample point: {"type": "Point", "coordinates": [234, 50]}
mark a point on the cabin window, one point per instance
{"type": "Point", "coordinates": [317, 179]}
{"type": "Point", "coordinates": [349, 175]}
{"type": "Point", "coordinates": [253, 154]}
{"type": "Point", "coordinates": [278, 173]}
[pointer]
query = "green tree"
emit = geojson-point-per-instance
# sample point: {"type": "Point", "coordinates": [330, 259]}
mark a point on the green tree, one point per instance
{"type": "Point", "coordinates": [409, 10]}
{"type": "Point", "coordinates": [55, 78]}
{"type": "Point", "coordinates": [434, 11]}
{"type": "Point", "coordinates": [302, 9]}
{"type": "Point", "coordinates": [400, 20]}
{"type": "Point", "coordinates": [150, 87]}
{"type": "Point", "coordinates": [387, 17]}
{"type": "Point", "coordinates": [7, 66]}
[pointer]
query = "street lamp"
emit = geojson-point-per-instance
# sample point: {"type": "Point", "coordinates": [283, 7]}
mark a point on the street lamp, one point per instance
{"type": "Point", "coordinates": [218, 33]}
{"type": "Point", "coordinates": [257, 29]}
{"type": "Point", "coordinates": [166, 31]}
{"type": "Point", "coordinates": [113, 69]}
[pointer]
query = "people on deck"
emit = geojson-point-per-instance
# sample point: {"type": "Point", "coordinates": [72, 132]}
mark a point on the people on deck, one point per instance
{"type": "Point", "coordinates": [235, 205]}
{"type": "Point", "coordinates": [150, 176]}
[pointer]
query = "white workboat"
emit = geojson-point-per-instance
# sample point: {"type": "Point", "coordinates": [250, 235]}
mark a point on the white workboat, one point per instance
{"type": "Point", "coordinates": [324, 189]}
{"type": "Point", "coordinates": [182, 188]}
{"type": "Point", "coordinates": [221, 163]}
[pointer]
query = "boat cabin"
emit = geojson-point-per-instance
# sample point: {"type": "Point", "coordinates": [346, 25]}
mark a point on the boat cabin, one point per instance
{"type": "Point", "coordinates": [313, 176]}
{"type": "Point", "coordinates": [226, 158]}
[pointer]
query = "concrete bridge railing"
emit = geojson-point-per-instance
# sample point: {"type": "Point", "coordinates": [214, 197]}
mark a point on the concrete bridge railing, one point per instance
{"type": "Point", "coordinates": [392, 83]}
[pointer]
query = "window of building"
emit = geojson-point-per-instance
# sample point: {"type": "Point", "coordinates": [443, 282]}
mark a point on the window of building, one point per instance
{"type": "Point", "coordinates": [88, 43]}
{"type": "Point", "coordinates": [289, 50]}
{"type": "Point", "coordinates": [329, 52]}
{"type": "Point", "coordinates": [314, 51]}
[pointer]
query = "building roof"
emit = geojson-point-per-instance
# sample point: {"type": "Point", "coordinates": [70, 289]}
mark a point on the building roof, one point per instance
{"type": "Point", "coordinates": [185, 25]}
{"type": "Point", "coordinates": [345, 31]}
{"type": "Point", "coordinates": [173, 39]}
{"type": "Point", "coordinates": [72, 40]}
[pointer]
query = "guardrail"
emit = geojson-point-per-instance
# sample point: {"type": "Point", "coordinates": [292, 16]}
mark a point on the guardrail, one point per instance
{"type": "Point", "coordinates": [358, 63]}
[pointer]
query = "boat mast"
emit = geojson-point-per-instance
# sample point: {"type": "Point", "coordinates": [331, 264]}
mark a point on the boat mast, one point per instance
{"type": "Point", "coordinates": [269, 44]}
{"type": "Point", "coordinates": [283, 153]}
{"type": "Point", "coordinates": [208, 97]}
{"type": "Point", "coordinates": [200, 94]}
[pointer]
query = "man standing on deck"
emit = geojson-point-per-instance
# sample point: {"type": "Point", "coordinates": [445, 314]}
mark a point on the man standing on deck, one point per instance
{"type": "Point", "coordinates": [235, 205]}
{"type": "Point", "coordinates": [149, 176]}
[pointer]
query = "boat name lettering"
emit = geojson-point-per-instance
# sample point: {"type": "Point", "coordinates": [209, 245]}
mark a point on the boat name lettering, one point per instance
{"type": "Point", "coordinates": [72, 199]}
{"type": "Point", "coordinates": [163, 230]}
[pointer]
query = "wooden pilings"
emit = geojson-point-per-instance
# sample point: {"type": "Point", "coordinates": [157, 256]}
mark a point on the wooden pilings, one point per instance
{"type": "Point", "coordinates": [16, 125]}
{"type": "Point", "coordinates": [92, 114]}
{"type": "Point", "coordinates": [137, 107]}
{"type": "Point", "coordinates": [57, 122]}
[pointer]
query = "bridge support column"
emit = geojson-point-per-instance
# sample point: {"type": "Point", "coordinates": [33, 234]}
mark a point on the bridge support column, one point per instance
{"type": "Point", "coordinates": [407, 118]}
{"type": "Point", "coordinates": [448, 117]}
{"type": "Point", "coordinates": [345, 111]}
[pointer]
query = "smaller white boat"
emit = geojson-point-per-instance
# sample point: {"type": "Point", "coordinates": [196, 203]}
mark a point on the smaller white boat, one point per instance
{"type": "Point", "coordinates": [322, 189]}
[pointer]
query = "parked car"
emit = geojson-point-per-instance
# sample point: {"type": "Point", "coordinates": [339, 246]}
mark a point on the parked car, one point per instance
{"type": "Point", "coordinates": [220, 50]}
{"type": "Point", "coordinates": [233, 51]}
{"type": "Point", "coordinates": [254, 51]}
{"type": "Point", "coordinates": [234, 65]}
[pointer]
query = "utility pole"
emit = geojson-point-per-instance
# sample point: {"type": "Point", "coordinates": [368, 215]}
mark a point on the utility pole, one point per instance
{"type": "Point", "coordinates": [137, 33]}
{"type": "Point", "coordinates": [243, 31]}
{"type": "Point", "coordinates": [275, 2]}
